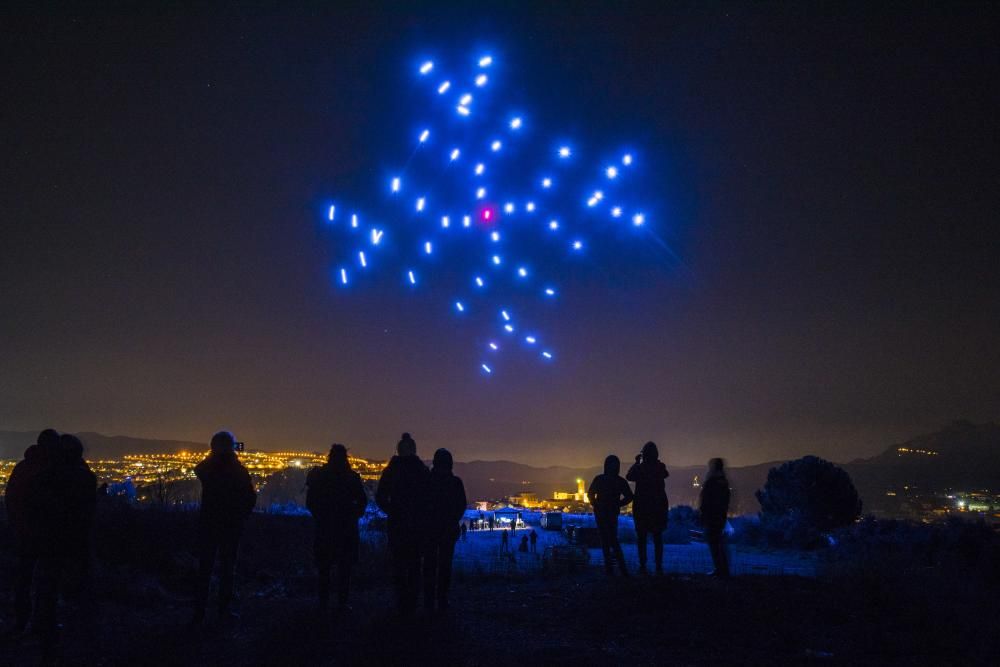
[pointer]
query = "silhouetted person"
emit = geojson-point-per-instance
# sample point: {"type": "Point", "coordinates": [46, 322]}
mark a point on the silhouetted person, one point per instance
{"type": "Point", "coordinates": [491, 523]}
{"type": "Point", "coordinates": [445, 506]}
{"type": "Point", "coordinates": [78, 486]}
{"type": "Point", "coordinates": [650, 507]}
{"type": "Point", "coordinates": [714, 508]}
{"type": "Point", "coordinates": [609, 492]}
{"type": "Point", "coordinates": [523, 546]}
{"type": "Point", "coordinates": [32, 512]}
{"type": "Point", "coordinates": [401, 494]}
{"type": "Point", "coordinates": [336, 498]}
{"type": "Point", "coordinates": [227, 499]}
{"type": "Point", "coordinates": [534, 541]}
{"type": "Point", "coordinates": [503, 541]}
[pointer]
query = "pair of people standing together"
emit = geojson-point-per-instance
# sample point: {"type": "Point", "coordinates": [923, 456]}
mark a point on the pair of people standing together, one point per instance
{"type": "Point", "coordinates": [423, 507]}
{"type": "Point", "coordinates": [609, 492]}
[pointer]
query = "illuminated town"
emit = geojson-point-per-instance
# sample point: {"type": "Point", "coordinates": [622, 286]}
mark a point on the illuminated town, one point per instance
{"type": "Point", "coordinates": [167, 468]}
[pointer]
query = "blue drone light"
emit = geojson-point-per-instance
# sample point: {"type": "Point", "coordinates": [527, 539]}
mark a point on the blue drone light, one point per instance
{"type": "Point", "coordinates": [493, 217]}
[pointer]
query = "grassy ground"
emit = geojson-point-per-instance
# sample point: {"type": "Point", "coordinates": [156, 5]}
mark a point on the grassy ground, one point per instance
{"type": "Point", "coordinates": [140, 609]}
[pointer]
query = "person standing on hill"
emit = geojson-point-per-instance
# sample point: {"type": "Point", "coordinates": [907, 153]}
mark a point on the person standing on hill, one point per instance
{"type": "Point", "coordinates": [401, 494]}
{"type": "Point", "coordinates": [445, 506]}
{"type": "Point", "coordinates": [227, 499]}
{"type": "Point", "coordinates": [336, 498]}
{"type": "Point", "coordinates": [650, 508]}
{"type": "Point", "coordinates": [32, 512]}
{"type": "Point", "coordinates": [608, 493]}
{"type": "Point", "coordinates": [78, 484]}
{"type": "Point", "coordinates": [714, 509]}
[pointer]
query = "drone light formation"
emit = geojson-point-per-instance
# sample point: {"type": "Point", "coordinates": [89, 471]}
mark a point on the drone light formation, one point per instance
{"type": "Point", "coordinates": [504, 219]}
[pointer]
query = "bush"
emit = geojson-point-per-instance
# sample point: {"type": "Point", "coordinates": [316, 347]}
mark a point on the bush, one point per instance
{"type": "Point", "coordinates": [806, 497]}
{"type": "Point", "coordinates": [681, 520]}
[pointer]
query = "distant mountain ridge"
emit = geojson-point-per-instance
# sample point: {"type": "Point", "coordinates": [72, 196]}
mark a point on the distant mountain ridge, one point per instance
{"type": "Point", "coordinates": [962, 455]}
{"type": "Point", "coordinates": [13, 444]}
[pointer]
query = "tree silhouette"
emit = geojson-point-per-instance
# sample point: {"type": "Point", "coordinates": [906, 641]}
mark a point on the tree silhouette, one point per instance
{"type": "Point", "coordinates": [807, 495]}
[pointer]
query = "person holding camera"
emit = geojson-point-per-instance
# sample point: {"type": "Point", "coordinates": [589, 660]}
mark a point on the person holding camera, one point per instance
{"type": "Point", "coordinates": [227, 499]}
{"type": "Point", "coordinates": [651, 505]}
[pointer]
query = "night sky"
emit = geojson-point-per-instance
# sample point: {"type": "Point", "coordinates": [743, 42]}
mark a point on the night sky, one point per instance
{"type": "Point", "coordinates": [825, 176]}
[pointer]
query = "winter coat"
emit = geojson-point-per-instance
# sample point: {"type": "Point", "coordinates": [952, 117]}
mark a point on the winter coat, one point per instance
{"type": "Point", "coordinates": [714, 502]}
{"type": "Point", "coordinates": [445, 504]}
{"type": "Point", "coordinates": [227, 493]}
{"type": "Point", "coordinates": [651, 505]}
{"type": "Point", "coordinates": [336, 499]}
{"type": "Point", "coordinates": [401, 494]}
{"type": "Point", "coordinates": [608, 494]}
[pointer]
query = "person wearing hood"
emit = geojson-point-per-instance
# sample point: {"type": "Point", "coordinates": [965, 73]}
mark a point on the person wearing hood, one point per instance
{"type": "Point", "coordinates": [651, 505]}
{"type": "Point", "coordinates": [32, 512]}
{"type": "Point", "coordinates": [609, 493]}
{"type": "Point", "coordinates": [446, 504]}
{"type": "Point", "coordinates": [227, 499]}
{"type": "Point", "coordinates": [401, 494]}
{"type": "Point", "coordinates": [336, 498]}
{"type": "Point", "coordinates": [714, 509]}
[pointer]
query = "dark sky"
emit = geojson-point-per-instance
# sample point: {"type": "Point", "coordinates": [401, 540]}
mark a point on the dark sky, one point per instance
{"type": "Point", "coordinates": [826, 173]}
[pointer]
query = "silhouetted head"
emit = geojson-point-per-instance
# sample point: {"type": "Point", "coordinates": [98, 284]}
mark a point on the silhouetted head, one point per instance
{"type": "Point", "coordinates": [715, 466]}
{"type": "Point", "coordinates": [612, 466]}
{"type": "Point", "coordinates": [650, 452]}
{"type": "Point", "coordinates": [443, 460]}
{"type": "Point", "coordinates": [406, 446]}
{"type": "Point", "coordinates": [49, 439]}
{"type": "Point", "coordinates": [223, 443]}
{"type": "Point", "coordinates": [338, 457]}
{"type": "Point", "coordinates": [71, 448]}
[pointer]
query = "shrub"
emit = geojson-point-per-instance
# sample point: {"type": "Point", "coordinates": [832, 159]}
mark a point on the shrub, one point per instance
{"type": "Point", "coordinates": [806, 497]}
{"type": "Point", "coordinates": [682, 519]}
